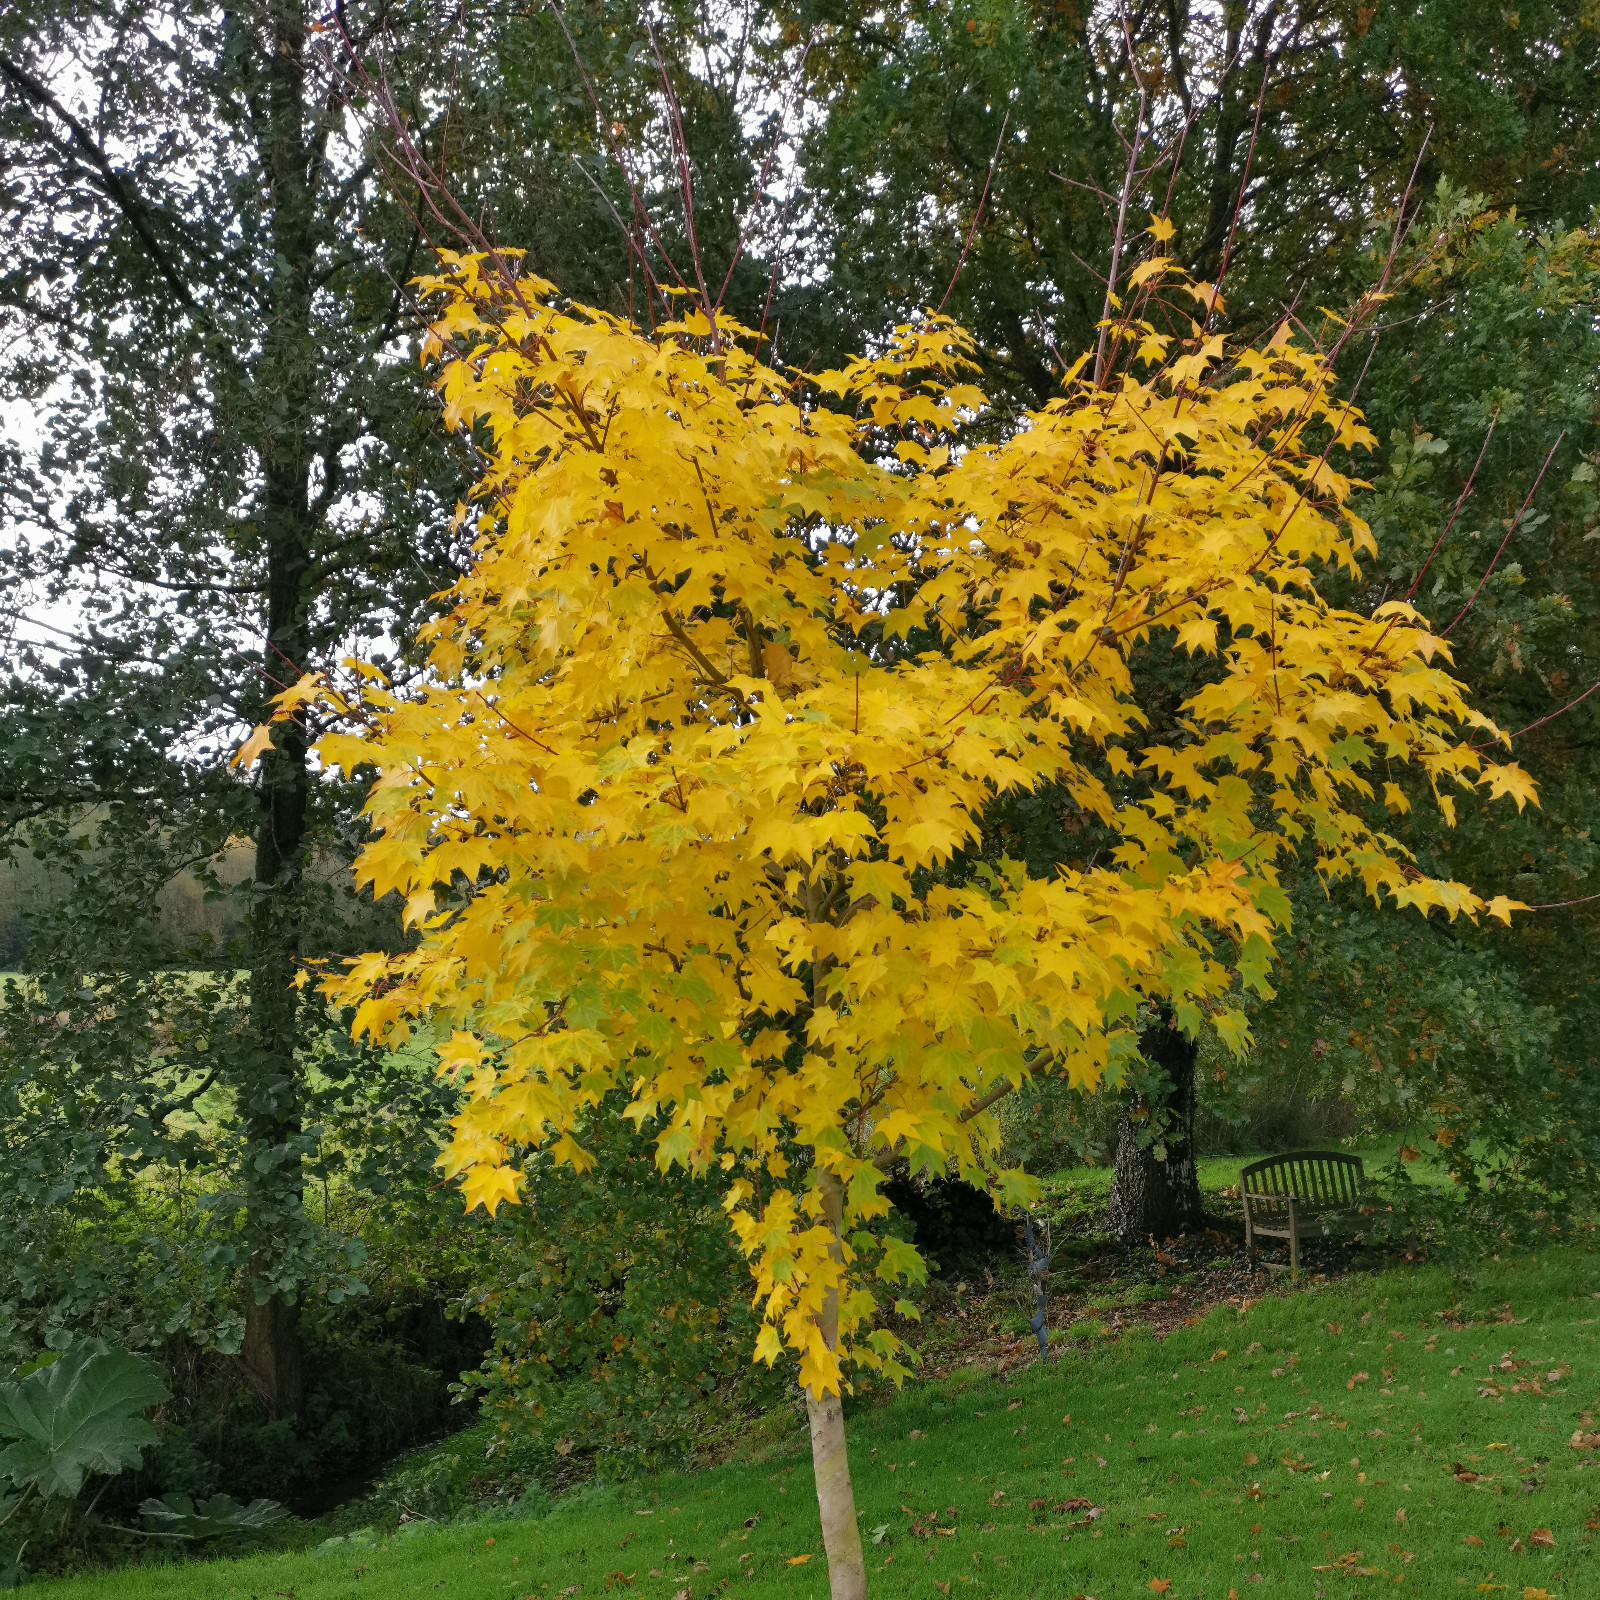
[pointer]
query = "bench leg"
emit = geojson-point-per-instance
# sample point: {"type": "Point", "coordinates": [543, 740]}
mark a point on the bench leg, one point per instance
{"type": "Point", "coordinates": [1294, 1237]}
{"type": "Point", "coordinates": [1249, 1241]}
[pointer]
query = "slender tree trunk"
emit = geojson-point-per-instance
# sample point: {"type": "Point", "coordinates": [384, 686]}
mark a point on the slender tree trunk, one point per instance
{"type": "Point", "coordinates": [836, 1501]}
{"type": "Point", "coordinates": [287, 381]}
{"type": "Point", "coordinates": [1150, 1196]}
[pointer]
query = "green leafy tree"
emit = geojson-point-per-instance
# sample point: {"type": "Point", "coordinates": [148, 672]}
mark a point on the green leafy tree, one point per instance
{"type": "Point", "coordinates": [1489, 508]}
{"type": "Point", "coordinates": [229, 474]}
{"type": "Point", "coordinates": [985, 138]}
{"type": "Point", "coordinates": [993, 133]}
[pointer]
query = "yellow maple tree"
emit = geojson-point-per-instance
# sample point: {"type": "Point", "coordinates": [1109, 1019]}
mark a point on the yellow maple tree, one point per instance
{"type": "Point", "coordinates": [740, 662]}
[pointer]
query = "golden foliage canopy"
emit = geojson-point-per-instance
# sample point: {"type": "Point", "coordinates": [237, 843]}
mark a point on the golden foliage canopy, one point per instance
{"type": "Point", "coordinates": [742, 660]}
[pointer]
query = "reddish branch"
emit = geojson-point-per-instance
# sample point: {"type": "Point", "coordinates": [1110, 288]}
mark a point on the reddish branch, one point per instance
{"type": "Point", "coordinates": [994, 160]}
{"type": "Point", "coordinates": [1460, 501]}
{"type": "Point", "coordinates": [1516, 522]}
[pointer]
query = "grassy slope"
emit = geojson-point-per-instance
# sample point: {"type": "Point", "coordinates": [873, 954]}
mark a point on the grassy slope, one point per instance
{"type": "Point", "coordinates": [1216, 1471]}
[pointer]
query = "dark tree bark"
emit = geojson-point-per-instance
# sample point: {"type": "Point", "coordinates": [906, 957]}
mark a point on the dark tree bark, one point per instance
{"type": "Point", "coordinates": [271, 1353]}
{"type": "Point", "coordinates": [1151, 1197]}
{"type": "Point", "coordinates": [287, 379]}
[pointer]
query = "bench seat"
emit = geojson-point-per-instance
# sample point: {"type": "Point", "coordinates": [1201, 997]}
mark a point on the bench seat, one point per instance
{"type": "Point", "coordinates": [1303, 1195]}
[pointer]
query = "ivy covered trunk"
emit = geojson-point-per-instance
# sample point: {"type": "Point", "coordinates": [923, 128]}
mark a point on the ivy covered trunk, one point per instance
{"type": "Point", "coordinates": [836, 1501]}
{"type": "Point", "coordinates": [1156, 1189]}
{"type": "Point", "coordinates": [270, 1093]}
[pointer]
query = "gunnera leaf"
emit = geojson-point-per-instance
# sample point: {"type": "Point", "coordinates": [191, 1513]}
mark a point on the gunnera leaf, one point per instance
{"type": "Point", "coordinates": [83, 1413]}
{"type": "Point", "coordinates": [210, 1519]}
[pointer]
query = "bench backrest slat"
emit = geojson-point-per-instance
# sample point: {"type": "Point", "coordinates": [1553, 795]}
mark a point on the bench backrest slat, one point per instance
{"type": "Point", "coordinates": [1315, 1177]}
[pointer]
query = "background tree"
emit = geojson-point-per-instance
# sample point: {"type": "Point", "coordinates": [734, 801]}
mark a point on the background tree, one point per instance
{"type": "Point", "coordinates": [228, 473]}
{"type": "Point", "coordinates": [995, 135]}
{"type": "Point", "coordinates": [1304, 124]}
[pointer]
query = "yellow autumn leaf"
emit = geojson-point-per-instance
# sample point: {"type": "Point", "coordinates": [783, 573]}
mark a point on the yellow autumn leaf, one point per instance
{"type": "Point", "coordinates": [1511, 780]}
{"type": "Point", "coordinates": [1152, 268]}
{"type": "Point", "coordinates": [259, 741]}
{"type": "Point", "coordinates": [1501, 906]}
{"type": "Point", "coordinates": [490, 1187]}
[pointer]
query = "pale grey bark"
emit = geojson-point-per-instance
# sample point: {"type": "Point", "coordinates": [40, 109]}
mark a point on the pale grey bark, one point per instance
{"type": "Point", "coordinates": [836, 1501]}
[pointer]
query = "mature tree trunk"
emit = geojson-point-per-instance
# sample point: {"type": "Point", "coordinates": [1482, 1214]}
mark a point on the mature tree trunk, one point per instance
{"type": "Point", "coordinates": [1151, 1196]}
{"type": "Point", "coordinates": [836, 1501]}
{"type": "Point", "coordinates": [287, 379]}
{"type": "Point", "coordinates": [271, 1353]}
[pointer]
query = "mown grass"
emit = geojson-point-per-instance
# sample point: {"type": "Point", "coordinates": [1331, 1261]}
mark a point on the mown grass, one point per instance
{"type": "Point", "coordinates": [1304, 1446]}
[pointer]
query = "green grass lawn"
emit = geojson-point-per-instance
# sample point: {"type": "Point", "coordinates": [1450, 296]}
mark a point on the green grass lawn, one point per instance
{"type": "Point", "coordinates": [1316, 1443]}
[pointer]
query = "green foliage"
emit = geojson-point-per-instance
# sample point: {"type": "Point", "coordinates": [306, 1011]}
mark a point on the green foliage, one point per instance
{"type": "Point", "coordinates": [1474, 1044]}
{"type": "Point", "coordinates": [211, 1519]}
{"type": "Point", "coordinates": [127, 1264]}
{"type": "Point", "coordinates": [919, 100]}
{"type": "Point", "coordinates": [81, 1413]}
{"type": "Point", "coordinates": [479, 1471]}
{"type": "Point", "coordinates": [619, 1304]}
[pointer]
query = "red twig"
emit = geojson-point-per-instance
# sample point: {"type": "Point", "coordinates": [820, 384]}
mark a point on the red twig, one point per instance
{"type": "Point", "coordinates": [1558, 905]}
{"type": "Point", "coordinates": [761, 185]}
{"type": "Point", "coordinates": [1128, 180]}
{"type": "Point", "coordinates": [522, 732]}
{"type": "Point", "coordinates": [961, 260]}
{"type": "Point", "coordinates": [1364, 309]}
{"type": "Point", "coordinates": [641, 212]}
{"type": "Point", "coordinates": [1460, 501]}
{"type": "Point", "coordinates": [686, 182]}
{"type": "Point", "coordinates": [1238, 204]}
{"type": "Point", "coordinates": [1560, 711]}
{"type": "Point", "coordinates": [1516, 522]}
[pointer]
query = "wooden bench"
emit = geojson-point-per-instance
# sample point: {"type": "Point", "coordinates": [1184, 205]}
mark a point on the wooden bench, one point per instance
{"type": "Point", "coordinates": [1298, 1196]}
